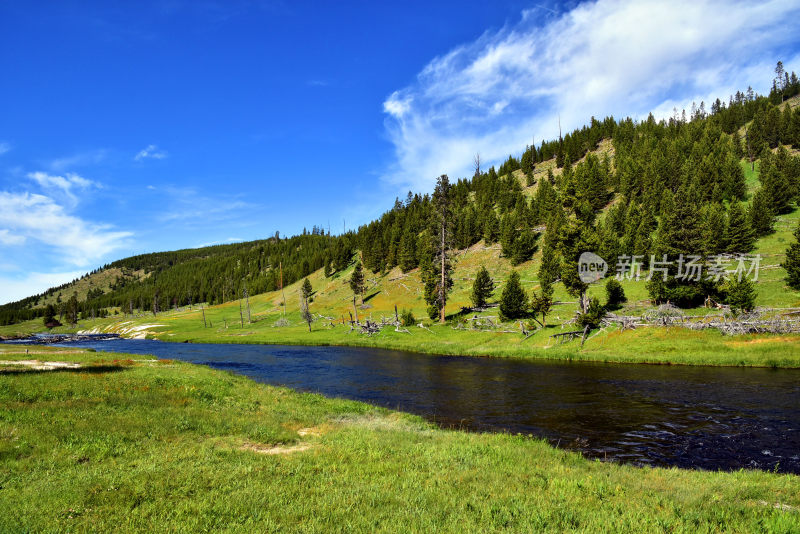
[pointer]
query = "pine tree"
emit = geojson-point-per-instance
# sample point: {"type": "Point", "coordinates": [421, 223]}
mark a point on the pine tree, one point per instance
{"type": "Point", "coordinates": [778, 189]}
{"type": "Point", "coordinates": [357, 281]}
{"type": "Point", "coordinates": [615, 295]}
{"type": "Point", "coordinates": [443, 220]}
{"type": "Point", "coordinates": [760, 214]}
{"type": "Point", "coordinates": [542, 302]}
{"type": "Point", "coordinates": [482, 288]}
{"type": "Point", "coordinates": [508, 234]}
{"type": "Point", "coordinates": [523, 248]}
{"type": "Point", "coordinates": [679, 233]}
{"type": "Point", "coordinates": [792, 262]}
{"type": "Point", "coordinates": [491, 227]}
{"type": "Point", "coordinates": [739, 236]}
{"type": "Point", "coordinates": [550, 269]}
{"type": "Point", "coordinates": [306, 289]}
{"type": "Point", "coordinates": [513, 301]}
{"type": "Point", "coordinates": [408, 251]}
{"type": "Point", "coordinates": [714, 235]}
{"type": "Point", "coordinates": [593, 315]}
{"type": "Point", "coordinates": [741, 295]}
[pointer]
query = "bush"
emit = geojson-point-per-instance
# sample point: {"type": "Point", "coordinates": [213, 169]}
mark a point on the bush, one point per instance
{"type": "Point", "coordinates": [407, 318]}
{"type": "Point", "coordinates": [593, 316]}
{"type": "Point", "coordinates": [741, 295]}
{"type": "Point", "coordinates": [615, 295]}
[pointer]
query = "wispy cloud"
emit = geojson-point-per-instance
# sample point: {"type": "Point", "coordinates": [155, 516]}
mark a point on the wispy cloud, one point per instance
{"type": "Point", "coordinates": [91, 157]}
{"type": "Point", "coordinates": [189, 206]}
{"type": "Point", "coordinates": [150, 152]}
{"type": "Point", "coordinates": [4, 147]}
{"type": "Point", "coordinates": [7, 238]}
{"type": "Point", "coordinates": [609, 57]}
{"type": "Point", "coordinates": [28, 217]}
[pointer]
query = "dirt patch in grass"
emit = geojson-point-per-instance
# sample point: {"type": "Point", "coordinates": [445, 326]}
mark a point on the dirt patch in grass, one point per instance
{"type": "Point", "coordinates": [777, 339]}
{"type": "Point", "coordinates": [275, 449]}
{"type": "Point", "coordinates": [40, 366]}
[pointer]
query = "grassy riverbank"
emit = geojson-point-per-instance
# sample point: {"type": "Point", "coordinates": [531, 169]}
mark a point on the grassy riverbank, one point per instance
{"type": "Point", "coordinates": [655, 345]}
{"type": "Point", "coordinates": [129, 444]}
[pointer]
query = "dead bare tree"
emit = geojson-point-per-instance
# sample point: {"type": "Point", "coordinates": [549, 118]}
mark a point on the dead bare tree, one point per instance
{"type": "Point", "coordinates": [247, 301]}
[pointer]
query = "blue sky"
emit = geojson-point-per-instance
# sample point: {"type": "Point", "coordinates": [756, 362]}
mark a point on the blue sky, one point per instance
{"type": "Point", "coordinates": [135, 127]}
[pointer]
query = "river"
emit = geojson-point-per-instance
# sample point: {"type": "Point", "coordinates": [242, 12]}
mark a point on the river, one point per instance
{"type": "Point", "coordinates": [690, 417]}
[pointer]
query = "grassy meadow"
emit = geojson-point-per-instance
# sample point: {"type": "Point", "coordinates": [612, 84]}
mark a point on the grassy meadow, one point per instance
{"type": "Point", "coordinates": [129, 443]}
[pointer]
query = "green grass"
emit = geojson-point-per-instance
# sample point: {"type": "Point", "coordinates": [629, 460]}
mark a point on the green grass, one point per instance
{"type": "Point", "coordinates": [132, 445]}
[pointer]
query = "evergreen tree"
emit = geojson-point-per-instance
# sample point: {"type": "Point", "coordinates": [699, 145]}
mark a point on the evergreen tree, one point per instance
{"type": "Point", "coordinates": [714, 235]}
{"type": "Point", "coordinates": [443, 221]}
{"type": "Point", "coordinates": [482, 288]}
{"type": "Point", "coordinates": [357, 281]}
{"type": "Point", "coordinates": [679, 233]}
{"type": "Point", "coordinates": [49, 314]}
{"type": "Point", "coordinates": [508, 234]}
{"type": "Point", "coordinates": [491, 227]}
{"type": "Point", "coordinates": [408, 251]}
{"type": "Point", "coordinates": [741, 295]}
{"type": "Point", "coordinates": [550, 267]}
{"type": "Point", "coordinates": [593, 315]}
{"type": "Point", "coordinates": [542, 302]}
{"type": "Point", "coordinates": [72, 309]}
{"type": "Point", "coordinates": [575, 240]}
{"type": "Point", "coordinates": [523, 248]}
{"type": "Point", "coordinates": [777, 188]}
{"type": "Point", "coordinates": [792, 262]}
{"type": "Point", "coordinates": [739, 236]}
{"type": "Point", "coordinates": [760, 214]}
{"type": "Point", "coordinates": [306, 289]}
{"type": "Point", "coordinates": [615, 295]}
{"type": "Point", "coordinates": [513, 301]}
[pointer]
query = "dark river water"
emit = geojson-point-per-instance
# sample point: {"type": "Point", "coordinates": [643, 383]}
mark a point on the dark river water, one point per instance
{"type": "Point", "coordinates": [695, 417]}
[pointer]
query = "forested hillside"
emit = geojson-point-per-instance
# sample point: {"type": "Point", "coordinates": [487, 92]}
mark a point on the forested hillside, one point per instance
{"type": "Point", "coordinates": [616, 187]}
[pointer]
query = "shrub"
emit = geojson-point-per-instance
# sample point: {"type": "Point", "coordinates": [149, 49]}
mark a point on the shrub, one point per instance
{"type": "Point", "coordinates": [407, 318]}
{"type": "Point", "coordinates": [615, 295]}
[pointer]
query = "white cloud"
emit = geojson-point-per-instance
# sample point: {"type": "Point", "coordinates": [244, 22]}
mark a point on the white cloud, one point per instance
{"type": "Point", "coordinates": [65, 183]}
{"type": "Point", "coordinates": [4, 147]}
{"type": "Point", "coordinates": [16, 288]}
{"type": "Point", "coordinates": [151, 152]}
{"type": "Point", "coordinates": [610, 57]}
{"type": "Point", "coordinates": [52, 184]}
{"type": "Point", "coordinates": [26, 216]}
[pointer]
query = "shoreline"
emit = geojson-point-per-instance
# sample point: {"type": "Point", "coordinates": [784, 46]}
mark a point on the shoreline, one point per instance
{"type": "Point", "coordinates": [553, 353]}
